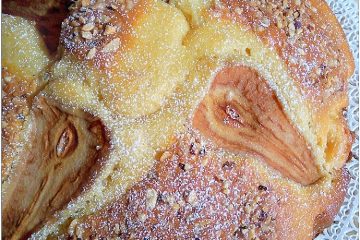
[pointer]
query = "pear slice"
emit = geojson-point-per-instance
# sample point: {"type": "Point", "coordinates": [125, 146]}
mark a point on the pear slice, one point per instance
{"type": "Point", "coordinates": [56, 161]}
{"type": "Point", "coordinates": [242, 113]}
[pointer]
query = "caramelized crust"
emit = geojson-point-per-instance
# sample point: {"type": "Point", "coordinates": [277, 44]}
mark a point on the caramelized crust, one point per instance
{"type": "Point", "coordinates": [264, 83]}
{"type": "Point", "coordinates": [123, 44]}
{"type": "Point", "coordinates": [196, 192]}
{"type": "Point", "coordinates": [310, 41]}
{"type": "Point", "coordinates": [313, 47]}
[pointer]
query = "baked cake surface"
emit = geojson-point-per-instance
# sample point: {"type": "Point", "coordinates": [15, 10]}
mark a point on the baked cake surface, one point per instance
{"type": "Point", "coordinates": [174, 120]}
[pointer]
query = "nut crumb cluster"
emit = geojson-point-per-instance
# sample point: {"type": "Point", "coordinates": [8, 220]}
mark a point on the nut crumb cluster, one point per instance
{"type": "Point", "coordinates": [181, 201]}
{"type": "Point", "coordinates": [195, 190]}
{"type": "Point", "coordinates": [297, 32]}
{"type": "Point", "coordinates": [92, 26]}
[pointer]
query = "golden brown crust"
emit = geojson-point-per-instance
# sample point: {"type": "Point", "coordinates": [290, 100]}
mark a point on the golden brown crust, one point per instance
{"type": "Point", "coordinates": [313, 47]}
{"type": "Point", "coordinates": [330, 207]}
{"type": "Point", "coordinates": [125, 44]}
{"type": "Point", "coordinates": [315, 52]}
{"type": "Point", "coordinates": [86, 33]}
{"type": "Point", "coordinates": [140, 65]}
{"type": "Point", "coordinates": [310, 41]}
{"type": "Point", "coordinates": [193, 192]}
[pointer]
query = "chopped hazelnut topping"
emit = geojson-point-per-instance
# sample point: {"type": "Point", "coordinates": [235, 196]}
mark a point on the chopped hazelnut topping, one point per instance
{"type": "Point", "coordinates": [204, 162]}
{"type": "Point", "coordinates": [244, 230]}
{"type": "Point", "coordinates": [238, 10]}
{"type": "Point", "coordinates": [109, 30]}
{"type": "Point", "coordinates": [260, 28]}
{"type": "Point", "coordinates": [72, 227]}
{"type": "Point", "coordinates": [129, 4]}
{"type": "Point", "coordinates": [112, 46]}
{"type": "Point", "coordinates": [166, 155]}
{"type": "Point", "coordinates": [91, 54]}
{"type": "Point", "coordinates": [82, 19]}
{"type": "Point", "coordinates": [95, 31]}
{"type": "Point", "coordinates": [117, 229]}
{"type": "Point", "coordinates": [226, 191]}
{"type": "Point", "coordinates": [170, 200]}
{"type": "Point", "coordinates": [265, 22]}
{"type": "Point", "coordinates": [301, 51]}
{"type": "Point", "coordinates": [226, 185]}
{"type": "Point", "coordinates": [75, 230]}
{"type": "Point", "coordinates": [86, 35]}
{"type": "Point", "coordinates": [247, 208]}
{"type": "Point", "coordinates": [88, 27]}
{"type": "Point", "coordinates": [105, 19]}
{"type": "Point", "coordinates": [113, 6]}
{"type": "Point", "coordinates": [192, 198]}
{"type": "Point", "coordinates": [176, 206]}
{"type": "Point", "coordinates": [187, 167]}
{"type": "Point", "coordinates": [99, 5]}
{"type": "Point", "coordinates": [252, 233]}
{"type": "Point", "coordinates": [151, 199]}
{"type": "Point", "coordinates": [7, 79]}
{"type": "Point", "coordinates": [332, 63]}
{"type": "Point", "coordinates": [291, 29]}
{"type": "Point", "coordinates": [279, 23]}
{"type": "Point", "coordinates": [296, 14]}
{"type": "Point", "coordinates": [142, 217]}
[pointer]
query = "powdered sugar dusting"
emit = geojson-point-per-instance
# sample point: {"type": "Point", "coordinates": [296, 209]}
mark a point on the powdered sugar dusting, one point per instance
{"type": "Point", "coordinates": [145, 100]}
